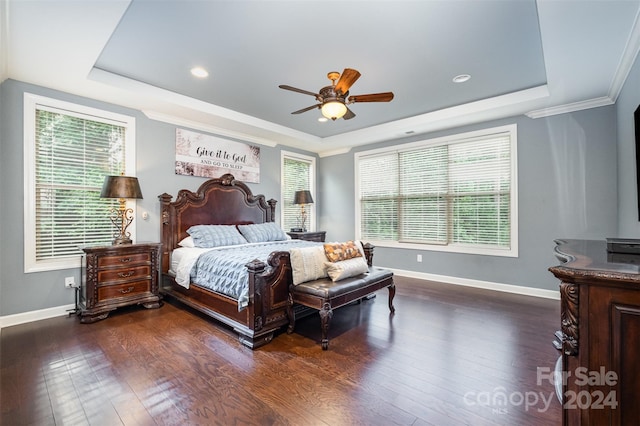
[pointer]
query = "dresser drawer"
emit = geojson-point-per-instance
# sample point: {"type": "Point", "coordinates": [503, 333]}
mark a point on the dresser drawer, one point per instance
{"type": "Point", "coordinates": [123, 259]}
{"type": "Point", "coordinates": [142, 271]}
{"type": "Point", "coordinates": [123, 290]}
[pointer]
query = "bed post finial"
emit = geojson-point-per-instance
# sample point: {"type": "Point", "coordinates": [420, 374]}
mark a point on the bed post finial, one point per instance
{"type": "Point", "coordinates": [227, 179]}
{"type": "Point", "coordinates": [368, 252]}
{"type": "Point", "coordinates": [165, 198]}
{"type": "Point", "coordinates": [272, 210]}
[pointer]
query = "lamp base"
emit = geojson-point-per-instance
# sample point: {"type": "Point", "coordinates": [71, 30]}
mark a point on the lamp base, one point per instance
{"type": "Point", "coordinates": [122, 240]}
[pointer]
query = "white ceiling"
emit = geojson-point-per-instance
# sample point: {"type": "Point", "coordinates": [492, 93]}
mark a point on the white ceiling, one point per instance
{"type": "Point", "coordinates": [524, 57]}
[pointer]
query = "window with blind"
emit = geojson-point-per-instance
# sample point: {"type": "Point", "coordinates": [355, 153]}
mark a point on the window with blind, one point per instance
{"type": "Point", "coordinates": [69, 149]}
{"type": "Point", "coordinates": [298, 174]}
{"type": "Point", "coordinates": [457, 193]}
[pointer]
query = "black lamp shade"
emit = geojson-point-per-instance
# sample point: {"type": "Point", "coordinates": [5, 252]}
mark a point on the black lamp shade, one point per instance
{"type": "Point", "coordinates": [120, 187]}
{"type": "Point", "coordinates": [303, 197]}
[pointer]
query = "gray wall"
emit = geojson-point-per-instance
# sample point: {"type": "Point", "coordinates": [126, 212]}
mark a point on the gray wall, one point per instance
{"type": "Point", "coordinates": [567, 189]}
{"type": "Point", "coordinates": [155, 157]}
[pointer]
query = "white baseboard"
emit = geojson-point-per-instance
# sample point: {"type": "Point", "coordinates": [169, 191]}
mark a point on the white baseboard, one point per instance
{"type": "Point", "coordinates": [507, 288]}
{"type": "Point", "coordinates": [16, 319]}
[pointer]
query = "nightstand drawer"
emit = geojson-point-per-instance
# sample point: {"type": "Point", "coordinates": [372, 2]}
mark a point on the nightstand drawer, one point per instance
{"type": "Point", "coordinates": [123, 290]}
{"type": "Point", "coordinates": [124, 259]}
{"type": "Point", "coordinates": [143, 271]}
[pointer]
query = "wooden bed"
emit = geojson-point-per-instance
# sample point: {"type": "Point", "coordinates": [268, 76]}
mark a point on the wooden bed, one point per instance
{"type": "Point", "coordinates": [226, 201]}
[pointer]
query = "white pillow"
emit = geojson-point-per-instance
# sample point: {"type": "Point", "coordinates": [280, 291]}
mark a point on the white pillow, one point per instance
{"type": "Point", "coordinates": [307, 264]}
{"type": "Point", "coordinates": [187, 242]}
{"type": "Point", "coordinates": [346, 268]}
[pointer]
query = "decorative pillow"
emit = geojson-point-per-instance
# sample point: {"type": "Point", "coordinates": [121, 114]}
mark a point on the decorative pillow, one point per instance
{"type": "Point", "coordinates": [307, 264]}
{"type": "Point", "coordinates": [342, 251]}
{"type": "Point", "coordinates": [187, 242]}
{"type": "Point", "coordinates": [263, 232]}
{"type": "Point", "coordinates": [206, 236]}
{"type": "Point", "coordinates": [346, 268]}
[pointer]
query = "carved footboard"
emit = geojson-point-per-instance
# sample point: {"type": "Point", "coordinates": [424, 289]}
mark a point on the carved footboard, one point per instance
{"type": "Point", "coordinates": [268, 296]}
{"type": "Point", "coordinates": [266, 312]}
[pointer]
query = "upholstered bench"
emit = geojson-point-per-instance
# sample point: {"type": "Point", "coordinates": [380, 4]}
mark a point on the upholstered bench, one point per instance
{"type": "Point", "coordinates": [325, 295]}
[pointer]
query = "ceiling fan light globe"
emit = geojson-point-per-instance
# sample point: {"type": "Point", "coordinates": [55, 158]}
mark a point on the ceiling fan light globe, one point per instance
{"type": "Point", "coordinates": [334, 110]}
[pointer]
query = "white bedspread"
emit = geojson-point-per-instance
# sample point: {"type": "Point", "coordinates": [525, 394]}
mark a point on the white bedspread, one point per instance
{"type": "Point", "coordinates": [182, 261]}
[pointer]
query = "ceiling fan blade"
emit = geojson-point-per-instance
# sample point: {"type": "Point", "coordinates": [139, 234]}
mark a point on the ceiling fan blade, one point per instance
{"type": "Point", "coordinates": [348, 115]}
{"type": "Point", "coordinates": [295, 89]}
{"type": "Point", "coordinates": [300, 111]}
{"type": "Point", "coordinates": [373, 97]}
{"type": "Point", "coordinates": [348, 77]}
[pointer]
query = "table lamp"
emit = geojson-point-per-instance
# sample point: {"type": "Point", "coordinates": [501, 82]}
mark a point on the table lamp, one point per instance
{"type": "Point", "coordinates": [302, 198]}
{"type": "Point", "coordinates": [122, 188]}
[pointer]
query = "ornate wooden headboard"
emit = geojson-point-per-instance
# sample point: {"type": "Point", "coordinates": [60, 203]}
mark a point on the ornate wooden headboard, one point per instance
{"type": "Point", "coordinates": [219, 201]}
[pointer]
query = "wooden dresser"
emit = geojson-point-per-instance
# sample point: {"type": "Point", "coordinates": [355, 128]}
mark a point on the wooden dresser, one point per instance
{"type": "Point", "coordinates": [600, 321]}
{"type": "Point", "coordinates": [119, 275]}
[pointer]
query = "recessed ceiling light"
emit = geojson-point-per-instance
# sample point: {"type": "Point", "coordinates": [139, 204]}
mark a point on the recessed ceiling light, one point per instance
{"type": "Point", "coordinates": [461, 78]}
{"type": "Point", "coordinates": [323, 119]}
{"type": "Point", "coordinates": [199, 72]}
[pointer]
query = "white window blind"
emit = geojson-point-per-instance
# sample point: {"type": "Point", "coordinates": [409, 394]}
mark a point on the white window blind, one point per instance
{"type": "Point", "coordinates": [456, 192]}
{"type": "Point", "coordinates": [297, 175]}
{"type": "Point", "coordinates": [379, 197]}
{"type": "Point", "coordinates": [72, 153]}
{"type": "Point", "coordinates": [423, 195]}
{"type": "Point", "coordinates": [480, 190]}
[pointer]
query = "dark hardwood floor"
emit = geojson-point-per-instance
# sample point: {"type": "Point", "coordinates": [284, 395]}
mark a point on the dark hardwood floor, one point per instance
{"type": "Point", "coordinates": [449, 356]}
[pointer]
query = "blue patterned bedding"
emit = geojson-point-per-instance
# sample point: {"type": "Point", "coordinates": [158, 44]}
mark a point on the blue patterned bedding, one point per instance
{"type": "Point", "coordinates": [224, 270]}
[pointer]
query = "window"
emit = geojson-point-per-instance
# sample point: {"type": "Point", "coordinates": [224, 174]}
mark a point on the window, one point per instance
{"type": "Point", "coordinates": [457, 193]}
{"type": "Point", "coordinates": [69, 149]}
{"type": "Point", "coordinates": [298, 173]}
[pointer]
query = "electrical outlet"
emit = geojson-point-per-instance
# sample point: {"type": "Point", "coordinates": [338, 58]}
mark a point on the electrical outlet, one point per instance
{"type": "Point", "coordinates": [419, 258]}
{"type": "Point", "coordinates": [69, 282]}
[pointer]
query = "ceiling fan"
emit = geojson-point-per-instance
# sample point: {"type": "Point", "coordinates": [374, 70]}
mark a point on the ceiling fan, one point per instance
{"type": "Point", "coordinates": [333, 100]}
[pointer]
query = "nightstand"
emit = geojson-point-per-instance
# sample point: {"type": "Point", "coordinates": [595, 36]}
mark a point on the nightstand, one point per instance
{"type": "Point", "coordinates": [308, 236]}
{"type": "Point", "coordinates": [118, 275]}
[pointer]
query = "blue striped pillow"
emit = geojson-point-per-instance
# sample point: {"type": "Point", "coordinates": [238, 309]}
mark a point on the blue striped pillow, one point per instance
{"type": "Point", "coordinates": [207, 236]}
{"type": "Point", "coordinates": [263, 232]}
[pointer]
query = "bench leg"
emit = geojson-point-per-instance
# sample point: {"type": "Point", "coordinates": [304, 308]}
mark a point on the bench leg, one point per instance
{"type": "Point", "coordinates": [291, 315]}
{"type": "Point", "coordinates": [392, 294]}
{"type": "Point", "coordinates": [325, 318]}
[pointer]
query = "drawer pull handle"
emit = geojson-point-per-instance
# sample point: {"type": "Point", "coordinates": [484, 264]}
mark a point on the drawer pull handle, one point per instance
{"type": "Point", "coordinates": [125, 274]}
{"type": "Point", "coordinates": [125, 260]}
{"type": "Point", "coordinates": [129, 290]}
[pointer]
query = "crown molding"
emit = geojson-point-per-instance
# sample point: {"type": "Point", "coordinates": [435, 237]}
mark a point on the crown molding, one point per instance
{"type": "Point", "coordinates": [617, 83]}
{"type": "Point", "coordinates": [626, 61]}
{"type": "Point", "coordinates": [172, 100]}
{"type": "Point", "coordinates": [333, 152]}
{"type": "Point", "coordinates": [572, 107]}
{"type": "Point", "coordinates": [166, 118]}
{"type": "Point", "coordinates": [456, 116]}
